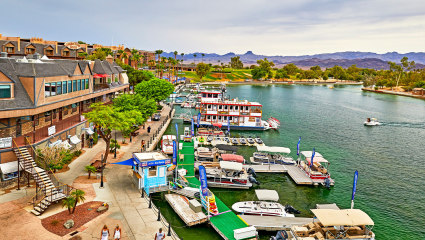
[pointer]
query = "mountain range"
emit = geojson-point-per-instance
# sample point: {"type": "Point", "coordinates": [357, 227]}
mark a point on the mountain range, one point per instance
{"type": "Point", "coordinates": [324, 60]}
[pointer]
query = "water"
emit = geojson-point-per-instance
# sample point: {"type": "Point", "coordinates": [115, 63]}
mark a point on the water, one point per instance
{"type": "Point", "coordinates": [389, 158]}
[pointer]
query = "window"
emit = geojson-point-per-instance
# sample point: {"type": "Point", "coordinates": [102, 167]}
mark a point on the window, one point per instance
{"type": "Point", "coordinates": [65, 53]}
{"type": "Point", "coordinates": [52, 89]}
{"type": "Point", "coordinates": [152, 171]}
{"type": "Point", "coordinates": [236, 108]}
{"type": "Point", "coordinates": [47, 117]}
{"type": "Point", "coordinates": [74, 86]}
{"type": "Point", "coordinates": [5, 91]}
{"type": "Point", "coordinates": [10, 49]}
{"type": "Point", "coordinates": [64, 87]}
{"type": "Point", "coordinates": [78, 85]}
{"type": "Point", "coordinates": [49, 52]}
{"type": "Point", "coordinates": [69, 86]}
{"type": "Point", "coordinates": [29, 50]}
{"type": "Point", "coordinates": [47, 89]}
{"type": "Point", "coordinates": [87, 83]}
{"type": "Point", "coordinates": [231, 108]}
{"type": "Point", "coordinates": [58, 88]}
{"type": "Point", "coordinates": [54, 113]}
{"type": "Point", "coordinates": [74, 107]}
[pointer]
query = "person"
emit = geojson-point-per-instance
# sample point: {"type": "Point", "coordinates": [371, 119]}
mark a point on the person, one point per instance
{"type": "Point", "coordinates": [149, 129]}
{"type": "Point", "coordinates": [91, 141]}
{"type": "Point", "coordinates": [117, 233]}
{"type": "Point", "coordinates": [105, 233]}
{"type": "Point", "coordinates": [143, 146]}
{"type": "Point", "coordinates": [159, 235]}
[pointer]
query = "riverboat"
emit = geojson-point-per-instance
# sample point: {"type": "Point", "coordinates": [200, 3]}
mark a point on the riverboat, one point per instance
{"type": "Point", "coordinates": [266, 206]}
{"type": "Point", "coordinates": [316, 170]}
{"type": "Point", "coordinates": [167, 144]}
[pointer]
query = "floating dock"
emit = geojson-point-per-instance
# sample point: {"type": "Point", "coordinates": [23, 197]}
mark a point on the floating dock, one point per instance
{"type": "Point", "coordinates": [268, 168]}
{"type": "Point", "coordinates": [221, 141]}
{"type": "Point", "coordinates": [180, 205]}
{"type": "Point", "coordinates": [268, 223]}
{"type": "Point", "coordinates": [298, 175]}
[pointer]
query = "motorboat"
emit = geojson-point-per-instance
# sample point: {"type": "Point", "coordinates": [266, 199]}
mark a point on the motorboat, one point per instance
{"type": "Point", "coordinates": [167, 144]}
{"type": "Point", "coordinates": [206, 154]}
{"type": "Point", "coordinates": [316, 169]}
{"type": "Point", "coordinates": [272, 155]}
{"type": "Point", "coordinates": [242, 141]}
{"type": "Point", "coordinates": [250, 140]}
{"type": "Point", "coordinates": [274, 123]}
{"type": "Point", "coordinates": [235, 141]}
{"type": "Point", "coordinates": [372, 122]}
{"type": "Point", "coordinates": [226, 139]}
{"type": "Point", "coordinates": [209, 138]}
{"type": "Point", "coordinates": [342, 224]}
{"type": "Point", "coordinates": [228, 175]}
{"type": "Point", "coordinates": [266, 206]}
{"type": "Point", "coordinates": [258, 140]}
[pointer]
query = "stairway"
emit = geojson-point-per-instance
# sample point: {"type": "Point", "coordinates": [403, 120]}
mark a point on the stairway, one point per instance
{"type": "Point", "coordinates": [47, 192]}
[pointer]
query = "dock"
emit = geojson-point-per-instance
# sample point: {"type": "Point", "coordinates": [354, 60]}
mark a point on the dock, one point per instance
{"type": "Point", "coordinates": [221, 141]}
{"type": "Point", "coordinates": [298, 175]}
{"type": "Point", "coordinates": [268, 168]}
{"type": "Point", "coordinates": [181, 207]}
{"type": "Point", "coordinates": [268, 223]}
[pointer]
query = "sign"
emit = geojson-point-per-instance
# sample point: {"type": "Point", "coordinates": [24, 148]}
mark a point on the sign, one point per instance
{"type": "Point", "coordinates": [6, 142]}
{"type": "Point", "coordinates": [203, 179]}
{"type": "Point", "coordinates": [155, 163]}
{"type": "Point", "coordinates": [356, 175]}
{"type": "Point", "coordinates": [51, 130]}
{"type": "Point", "coordinates": [298, 146]}
{"type": "Point", "coordinates": [174, 153]}
{"type": "Point", "coordinates": [193, 128]}
{"type": "Point", "coordinates": [199, 119]}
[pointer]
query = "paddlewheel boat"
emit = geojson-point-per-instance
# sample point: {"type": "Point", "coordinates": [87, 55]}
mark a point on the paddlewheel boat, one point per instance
{"type": "Point", "coordinates": [316, 171]}
{"type": "Point", "coordinates": [167, 144]}
{"type": "Point", "coordinates": [266, 206]}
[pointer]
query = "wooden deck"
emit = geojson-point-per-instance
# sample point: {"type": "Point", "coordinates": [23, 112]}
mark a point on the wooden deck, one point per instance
{"type": "Point", "coordinates": [298, 175]}
{"type": "Point", "coordinates": [181, 207]}
{"type": "Point", "coordinates": [268, 168]}
{"type": "Point", "coordinates": [269, 223]}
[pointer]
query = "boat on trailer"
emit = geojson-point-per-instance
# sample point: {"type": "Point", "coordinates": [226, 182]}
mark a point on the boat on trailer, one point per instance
{"type": "Point", "coordinates": [167, 144]}
{"type": "Point", "coordinates": [266, 206]}
{"type": "Point", "coordinates": [266, 155]}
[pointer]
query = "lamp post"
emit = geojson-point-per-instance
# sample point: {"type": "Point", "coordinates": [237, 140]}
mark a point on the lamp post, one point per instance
{"type": "Point", "coordinates": [101, 172]}
{"type": "Point", "coordinates": [115, 148]}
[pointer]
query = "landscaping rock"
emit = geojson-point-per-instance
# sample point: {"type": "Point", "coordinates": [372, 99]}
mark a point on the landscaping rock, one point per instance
{"type": "Point", "coordinates": [101, 209]}
{"type": "Point", "coordinates": [69, 224]}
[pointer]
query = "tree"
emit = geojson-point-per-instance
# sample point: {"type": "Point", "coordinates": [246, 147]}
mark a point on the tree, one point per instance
{"type": "Point", "coordinates": [156, 89]}
{"type": "Point", "coordinates": [281, 73]}
{"type": "Point", "coordinates": [264, 69]}
{"type": "Point", "coordinates": [399, 70]}
{"type": "Point", "coordinates": [291, 69]}
{"type": "Point", "coordinates": [236, 63]}
{"type": "Point", "coordinates": [81, 42]}
{"type": "Point", "coordinates": [69, 203]}
{"type": "Point", "coordinates": [90, 169]}
{"type": "Point", "coordinates": [202, 70]}
{"type": "Point", "coordinates": [194, 57]}
{"type": "Point", "coordinates": [78, 196]}
{"type": "Point", "coordinates": [203, 55]}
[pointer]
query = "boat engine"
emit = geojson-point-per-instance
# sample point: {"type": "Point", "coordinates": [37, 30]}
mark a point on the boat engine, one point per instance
{"type": "Point", "coordinates": [327, 183]}
{"type": "Point", "coordinates": [252, 172]}
{"type": "Point", "coordinates": [280, 235]}
{"type": "Point", "coordinates": [291, 209]}
{"type": "Point", "coordinates": [253, 180]}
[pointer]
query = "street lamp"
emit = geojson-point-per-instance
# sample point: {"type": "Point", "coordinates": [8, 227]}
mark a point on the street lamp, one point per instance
{"type": "Point", "coordinates": [115, 149]}
{"type": "Point", "coordinates": [101, 172]}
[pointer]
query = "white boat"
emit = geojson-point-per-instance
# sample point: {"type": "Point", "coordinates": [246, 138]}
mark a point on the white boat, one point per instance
{"type": "Point", "coordinates": [267, 206]}
{"type": "Point", "coordinates": [228, 175]}
{"type": "Point", "coordinates": [372, 122]}
{"type": "Point", "coordinates": [167, 144]}
{"type": "Point", "coordinates": [272, 155]}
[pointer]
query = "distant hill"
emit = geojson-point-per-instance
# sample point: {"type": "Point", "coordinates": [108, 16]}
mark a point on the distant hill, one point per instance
{"type": "Point", "coordinates": [344, 59]}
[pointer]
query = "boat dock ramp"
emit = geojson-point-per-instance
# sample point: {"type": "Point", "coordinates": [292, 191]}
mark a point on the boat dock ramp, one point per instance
{"type": "Point", "coordinates": [269, 223]}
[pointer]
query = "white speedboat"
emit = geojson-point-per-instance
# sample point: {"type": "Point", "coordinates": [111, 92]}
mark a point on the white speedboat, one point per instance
{"type": "Point", "coordinates": [167, 144]}
{"type": "Point", "coordinates": [372, 122]}
{"type": "Point", "coordinates": [267, 206]}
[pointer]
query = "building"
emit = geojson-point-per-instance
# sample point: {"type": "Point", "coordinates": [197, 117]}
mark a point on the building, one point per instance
{"type": "Point", "coordinates": [418, 91]}
{"type": "Point", "coordinates": [42, 100]}
{"type": "Point", "coordinates": [126, 56]}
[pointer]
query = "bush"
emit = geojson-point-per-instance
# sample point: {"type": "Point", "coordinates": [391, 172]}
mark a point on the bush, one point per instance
{"type": "Point", "coordinates": [114, 144]}
{"type": "Point", "coordinates": [77, 153]}
{"type": "Point", "coordinates": [54, 222]}
{"type": "Point", "coordinates": [95, 138]}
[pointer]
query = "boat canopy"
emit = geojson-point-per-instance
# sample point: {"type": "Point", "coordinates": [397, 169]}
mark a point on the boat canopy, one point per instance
{"type": "Point", "coordinates": [235, 166]}
{"type": "Point", "coordinates": [225, 147]}
{"type": "Point", "coordinates": [169, 137]}
{"type": "Point", "coordinates": [318, 158]}
{"type": "Point", "coordinates": [267, 195]}
{"type": "Point", "coordinates": [308, 154]}
{"type": "Point", "coordinates": [344, 217]}
{"type": "Point", "coordinates": [273, 149]}
{"type": "Point", "coordinates": [232, 157]}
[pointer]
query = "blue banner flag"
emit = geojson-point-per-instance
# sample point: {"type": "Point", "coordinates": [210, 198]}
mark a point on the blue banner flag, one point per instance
{"type": "Point", "coordinates": [298, 146]}
{"type": "Point", "coordinates": [193, 128]}
{"type": "Point", "coordinates": [312, 156]}
{"type": "Point", "coordinates": [177, 131]}
{"type": "Point", "coordinates": [199, 119]}
{"type": "Point", "coordinates": [228, 124]}
{"type": "Point", "coordinates": [174, 153]}
{"type": "Point", "coordinates": [356, 175]}
{"type": "Point", "coordinates": [203, 179]}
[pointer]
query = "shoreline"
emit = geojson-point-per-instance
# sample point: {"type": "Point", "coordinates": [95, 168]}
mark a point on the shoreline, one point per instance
{"type": "Point", "coordinates": [404, 94]}
{"type": "Point", "coordinates": [283, 83]}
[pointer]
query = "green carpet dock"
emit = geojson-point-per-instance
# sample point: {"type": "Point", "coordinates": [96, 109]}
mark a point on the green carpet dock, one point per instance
{"type": "Point", "coordinates": [223, 223]}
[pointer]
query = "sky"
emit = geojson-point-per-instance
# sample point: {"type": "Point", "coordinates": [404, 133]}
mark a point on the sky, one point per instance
{"type": "Point", "coordinates": [269, 27]}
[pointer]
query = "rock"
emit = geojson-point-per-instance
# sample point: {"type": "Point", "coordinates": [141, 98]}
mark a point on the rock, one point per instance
{"type": "Point", "coordinates": [101, 209]}
{"type": "Point", "coordinates": [69, 224]}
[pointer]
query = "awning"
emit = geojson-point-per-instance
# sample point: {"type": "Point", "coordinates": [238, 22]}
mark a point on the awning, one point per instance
{"type": "Point", "coordinates": [345, 217]}
{"type": "Point", "coordinates": [217, 125]}
{"type": "Point", "coordinates": [100, 75]}
{"type": "Point", "coordinates": [9, 167]}
{"type": "Point", "coordinates": [267, 195]}
{"type": "Point", "coordinates": [74, 140]}
{"type": "Point", "coordinates": [235, 166]}
{"type": "Point", "coordinates": [65, 144]}
{"type": "Point", "coordinates": [232, 158]}
{"type": "Point", "coordinates": [89, 131]}
{"type": "Point", "coordinates": [274, 149]}
{"type": "Point", "coordinates": [128, 162]}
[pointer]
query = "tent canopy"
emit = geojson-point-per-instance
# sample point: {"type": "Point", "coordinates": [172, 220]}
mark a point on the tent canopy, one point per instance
{"type": "Point", "coordinates": [267, 195]}
{"type": "Point", "coordinates": [345, 217]}
{"type": "Point", "coordinates": [128, 162]}
{"type": "Point", "coordinates": [235, 166]}
{"type": "Point", "coordinates": [274, 149]}
{"type": "Point", "coordinates": [232, 157]}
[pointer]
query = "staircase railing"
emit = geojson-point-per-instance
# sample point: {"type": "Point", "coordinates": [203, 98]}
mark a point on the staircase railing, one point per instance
{"type": "Point", "coordinates": [38, 196]}
{"type": "Point", "coordinates": [29, 144]}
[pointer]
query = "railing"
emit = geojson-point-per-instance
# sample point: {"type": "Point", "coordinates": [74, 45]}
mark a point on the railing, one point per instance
{"type": "Point", "coordinates": [38, 196]}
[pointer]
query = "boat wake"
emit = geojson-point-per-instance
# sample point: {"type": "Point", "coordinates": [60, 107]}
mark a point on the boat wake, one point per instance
{"type": "Point", "coordinates": [404, 124]}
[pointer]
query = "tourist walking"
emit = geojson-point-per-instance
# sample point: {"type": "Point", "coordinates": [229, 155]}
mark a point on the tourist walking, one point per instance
{"type": "Point", "coordinates": [159, 235]}
{"type": "Point", "coordinates": [149, 129]}
{"type": "Point", "coordinates": [143, 146]}
{"type": "Point", "coordinates": [104, 235]}
{"type": "Point", "coordinates": [117, 233]}
{"type": "Point", "coordinates": [91, 140]}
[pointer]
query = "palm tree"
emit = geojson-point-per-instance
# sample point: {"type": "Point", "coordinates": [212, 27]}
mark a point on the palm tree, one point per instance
{"type": "Point", "coordinates": [203, 55]}
{"type": "Point", "coordinates": [181, 65]}
{"type": "Point", "coordinates": [68, 203]}
{"type": "Point", "coordinates": [194, 58]}
{"type": "Point", "coordinates": [158, 53]}
{"type": "Point", "coordinates": [90, 169]}
{"type": "Point", "coordinates": [78, 196]}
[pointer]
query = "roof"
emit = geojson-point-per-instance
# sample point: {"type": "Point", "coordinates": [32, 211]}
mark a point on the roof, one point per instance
{"type": "Point", "coordinates": [273, 149]}
{"type": "Point", "coordinates": [345, 217]}
{"type": "Point", "coordinates": [267, 195]}
{"type": "Point", "coordinates": [150, 156]}
{"type": "Point", "coordinates": [235, 166]}
{"type": "Point", "coordinates": [9, 167]}
{"type": "Point", "coordinates": [309, 153]}
{"type": "Point", "coordinates": [232, 157]}
{"type": "Point", "coordinates": [327, 206]}
{"type": "Point", "coordinates": [318, 158]}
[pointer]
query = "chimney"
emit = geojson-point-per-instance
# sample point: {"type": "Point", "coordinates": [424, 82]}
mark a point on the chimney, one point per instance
{"type": "Point", "coordinates": [36, 56]}
{"type": "Point", "coordinates": [110, 59]}
{"type": "Point", "coordinates": [3, 55]}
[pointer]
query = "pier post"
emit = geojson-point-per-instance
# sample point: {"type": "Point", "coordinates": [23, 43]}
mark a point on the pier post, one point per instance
{"type": "Point", "coordinates": [159, 214]}
{"type": "Point", "coordinates": [169, 230]}
{"type": "Point", "coordinates": [150, 201]}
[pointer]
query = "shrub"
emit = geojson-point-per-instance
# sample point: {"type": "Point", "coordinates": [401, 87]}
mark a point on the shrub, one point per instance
{"type": "Point", "coordinates": [114, 144]}
{"type": "Point", "coordinates": [54, 222]}
{"type": "Point", "coordinates": [77, 153]}
{"type": "Point", "coordinates": [95, 138]}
